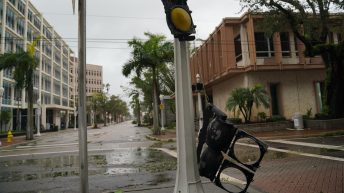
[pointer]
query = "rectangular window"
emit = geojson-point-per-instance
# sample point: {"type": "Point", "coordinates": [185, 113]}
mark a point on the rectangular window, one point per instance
{"type": "Point", "coordinates": [330, 37]}
{"type": "Point", "coordinates": [296, 45]}
{"type": "Point", "coordinates": [339, 37]}
{"type": "Point", "coordinates": [237, 45]}
{"type": "Point", "coordinates": [10, 18]}
{"type": "Point", "coordinates": [274, 92]}
{"type": "Point", "coordinates": [264, 45]}
{"type": "Point", "coordinates": [285, 44]}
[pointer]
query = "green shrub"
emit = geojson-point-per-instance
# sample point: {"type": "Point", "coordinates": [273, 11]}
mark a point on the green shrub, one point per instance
{"type": "Point", "coordinates": [5, 116]}
{"type": "Point", "coordinates": [147, 119]}
{"type": "Point", "coordinates": [261, 116]}
{"type": "Point", "coordinates": [171, 125]}
{"type": "Point", "coordinates": [322, 116]}
{"type": "Point", "coordinates": [275, 118]}
{"type": "Point", "coordinates": [134, 122]}
{"type": "Point", "coordinates": [235, 120]}
{"type": "Point", "coordinates": [308, 114]}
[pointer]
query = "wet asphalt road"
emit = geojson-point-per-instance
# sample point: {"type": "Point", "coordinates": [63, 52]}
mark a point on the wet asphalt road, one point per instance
{"type": "Point", "coordinates": [119, 157]}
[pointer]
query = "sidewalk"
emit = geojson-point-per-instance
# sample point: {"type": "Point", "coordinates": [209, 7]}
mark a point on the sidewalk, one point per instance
{"type": "Point", "coordinates": [207, 187]}
{"type": "Point", "coordinates": [170, 135]}
{"type": "Point", "coordinates": [17, 140]}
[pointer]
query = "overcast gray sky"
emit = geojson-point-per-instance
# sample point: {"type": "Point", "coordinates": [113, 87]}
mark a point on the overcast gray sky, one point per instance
{"type": "Point", "coordinates": [111, 23]}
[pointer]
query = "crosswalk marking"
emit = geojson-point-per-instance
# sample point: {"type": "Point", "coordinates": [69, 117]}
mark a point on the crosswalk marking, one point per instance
{"type": "Point", "coordinates": [297, 153]}
{"type": "Point", "coordinates": [334, 147]}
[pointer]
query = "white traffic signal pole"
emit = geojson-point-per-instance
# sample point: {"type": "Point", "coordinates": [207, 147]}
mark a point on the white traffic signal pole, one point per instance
{"type": "Point", "coordinates": [82, 99]}
{"type": "Point", "coordinates": [188, 179]}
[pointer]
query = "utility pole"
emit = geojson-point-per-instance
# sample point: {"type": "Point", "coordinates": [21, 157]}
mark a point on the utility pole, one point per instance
{"type": "Point", "coordinates": [82, 99]}
{"type": "Point", "coordinates": [187, 178]}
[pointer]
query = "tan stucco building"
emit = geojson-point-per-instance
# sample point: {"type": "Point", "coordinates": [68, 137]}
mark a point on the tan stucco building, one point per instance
{"type": "Point", "coordinates": [237, 54]}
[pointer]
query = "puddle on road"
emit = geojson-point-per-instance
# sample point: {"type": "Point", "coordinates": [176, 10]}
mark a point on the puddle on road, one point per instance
{"type": "Point", "coordinates": [123, 161]}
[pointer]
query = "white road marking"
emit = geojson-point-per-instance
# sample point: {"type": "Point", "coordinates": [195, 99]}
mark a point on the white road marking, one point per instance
{"type": "Point", "coordinates": [51, 145]}
{"type": "Point", "coordinates": [298, 153]}
{"type": "Point", "coordinates": [341, 148]}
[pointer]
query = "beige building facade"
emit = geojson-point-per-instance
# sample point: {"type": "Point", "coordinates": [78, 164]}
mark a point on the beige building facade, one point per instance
{"type": "Point", "coordinates": [94, 79]}
{"type": "Point", "coordinates": [238, 54]}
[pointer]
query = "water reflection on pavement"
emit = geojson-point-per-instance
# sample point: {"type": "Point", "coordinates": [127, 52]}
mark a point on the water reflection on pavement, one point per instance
{"type": "Point", "coordinates": [121, 161]}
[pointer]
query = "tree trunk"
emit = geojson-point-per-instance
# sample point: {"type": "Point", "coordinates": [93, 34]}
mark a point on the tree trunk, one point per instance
{"type": "Point", "coordinates": [156, 128]}
{"type": "Point", "coordinates": [30, 125]}
{"type": "Point", "coordinates": [138, 113]}
{"type": "Point", "coordinates": [334, 87]}
{"type": "Point", "coordinates": [104, 114]}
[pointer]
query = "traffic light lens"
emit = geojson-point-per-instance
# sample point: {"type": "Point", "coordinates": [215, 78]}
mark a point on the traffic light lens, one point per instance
{"type": "Point", "coordinates": [246, 154]}
{"type": "Point", "coordinates": [181, 19]}
{"type": "Point", "coordinates": [233, 179]}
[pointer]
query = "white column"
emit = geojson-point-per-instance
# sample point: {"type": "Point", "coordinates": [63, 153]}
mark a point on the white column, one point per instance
{"type": "Point", "coordinates": [244, 45]}
{"type": "Point", "coordinates": [2, 43]}
{"type": "Point", "coordinates": [1, 95]}
{"type": "Point", "coordinates": [187, 178]}
{"type": "Point", "coordinates": [40, 61]}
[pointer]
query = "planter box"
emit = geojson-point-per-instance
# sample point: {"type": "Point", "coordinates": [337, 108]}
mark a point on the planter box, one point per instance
{"type": "Point", "coordinates": [325, 124]}
{"type": "Point", "coordinates": [268, 126]}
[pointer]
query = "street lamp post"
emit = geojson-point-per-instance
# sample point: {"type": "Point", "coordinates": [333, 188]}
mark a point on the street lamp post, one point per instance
{"type": "Point", "coordinates": [162, 109]}
{"type": "Point", "coordinates": [38, 115]}
{"type": "Point", "coordinates": [199, 99]}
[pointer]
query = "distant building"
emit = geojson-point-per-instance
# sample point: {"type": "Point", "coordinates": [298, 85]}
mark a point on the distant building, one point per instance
{"type": "Point", "coordinates": [94, 79]}
{"type": "Point", "coordinates": [20, 24]}
{"type": "Point", "coordinates": [237, 54]}
{"type": "Point", "coordinates": [94, 83]}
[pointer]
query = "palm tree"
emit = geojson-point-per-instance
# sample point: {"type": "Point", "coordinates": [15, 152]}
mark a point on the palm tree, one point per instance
{"type": "Point", "coordinates": [98, 104]}
{"type": "Point", "coordinates": [24, 64]}
{"type": "Point", "coordinates": [244, 98]}
{"type": "Point", "coordinates": [135, 95]}
{"type": "Point", "coordinates": [149, 55]}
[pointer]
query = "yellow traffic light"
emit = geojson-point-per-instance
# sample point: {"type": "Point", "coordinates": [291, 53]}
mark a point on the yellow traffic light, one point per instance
{"type": "Point", "coordinates": [181, 19]}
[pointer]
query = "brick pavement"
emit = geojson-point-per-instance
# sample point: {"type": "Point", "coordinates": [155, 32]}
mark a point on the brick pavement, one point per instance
{"type": "Point", "coordinates": [299, 174]}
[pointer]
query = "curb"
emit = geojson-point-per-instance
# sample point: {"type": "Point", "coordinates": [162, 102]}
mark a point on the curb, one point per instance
{"type": "Point", "coordinates": [158, 139]}
{"type": "Point", "coordinates": [16, 144]}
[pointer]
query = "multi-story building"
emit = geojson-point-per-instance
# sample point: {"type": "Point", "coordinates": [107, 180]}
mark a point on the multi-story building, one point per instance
{"type": "Point", "coordinates": [94, 79]}
{"type": "Point", "coordinates": [239, 54]}
{"type": "Point", "coordinates": [94, 83]}
{"type": "Point", "coordinates": [20, 24]}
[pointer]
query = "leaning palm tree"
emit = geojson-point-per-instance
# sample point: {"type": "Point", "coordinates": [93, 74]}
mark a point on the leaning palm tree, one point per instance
{"type": "Point", "coordinates": [149, 55]}
{"type": "Point", "coordinates": [24, 64]}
